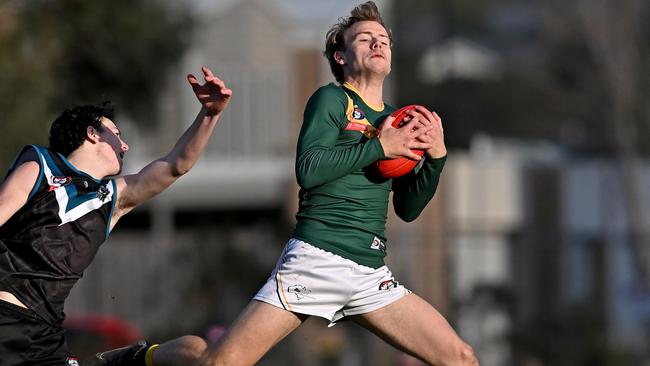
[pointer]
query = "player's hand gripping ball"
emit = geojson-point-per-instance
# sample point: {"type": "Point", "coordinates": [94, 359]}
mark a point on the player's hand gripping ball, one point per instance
{"type": "Point", "coordinates": [393, 168]}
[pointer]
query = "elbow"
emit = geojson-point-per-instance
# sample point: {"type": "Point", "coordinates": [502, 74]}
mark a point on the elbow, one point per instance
{"type": "Point", "coordinates": [410, 218]}
{"type": "Point", "coordinates": [305, 181]}
{"type": "Point", "coordinates": [406, 214]}
{"type": "Point", "coordinates": [407, 217]}
{"type": "Point", "coordinates": [301, 181]}
{"type": "Point", "coordinates": [179, 170]}
{"type": "Point", "coordinates": [179, 167]}
{"type": "Point", "coordinates": [177, 173]}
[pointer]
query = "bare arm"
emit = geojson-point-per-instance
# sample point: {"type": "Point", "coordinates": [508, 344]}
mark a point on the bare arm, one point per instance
{"type": "Point", "coordinates": [158, 175]}
{"type": "Point", "coordinates": [14, 191]}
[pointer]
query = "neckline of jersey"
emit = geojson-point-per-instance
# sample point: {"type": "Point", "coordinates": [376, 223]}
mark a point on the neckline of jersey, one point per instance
{"type": "Point", "coordinates": [375, 108]}
{"type": "Point", "coordinates": [69, 164]}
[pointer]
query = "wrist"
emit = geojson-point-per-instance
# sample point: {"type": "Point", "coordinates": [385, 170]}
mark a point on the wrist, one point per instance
{"type": "Point", "coordinates": [380, 148]}
{"type": "Point", "coordinates": [207, 112]}
{"type": "Point", "coordinates": [437, 153]}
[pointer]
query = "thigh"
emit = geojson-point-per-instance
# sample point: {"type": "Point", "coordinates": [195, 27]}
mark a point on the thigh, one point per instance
{"type": "Point", "coordinates": [259, 327]}
{"type": "Point", "coordinates": [373, 289]}
{"type": "Point", "coordinates": [415, 327]}
{"type": "Point", "coordinates": [27, 340]}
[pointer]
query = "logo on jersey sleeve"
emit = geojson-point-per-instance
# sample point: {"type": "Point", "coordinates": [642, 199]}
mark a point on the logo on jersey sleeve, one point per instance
{"type": "Point", "coordinates": [71, 361]}
{"type": "Point", "coordinates": [358, 122]}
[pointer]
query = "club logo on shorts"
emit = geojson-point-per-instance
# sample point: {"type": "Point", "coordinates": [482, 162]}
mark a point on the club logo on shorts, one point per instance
{"type": "Point", "coordinates": [299, 290]}
{"type": "Point", "coordinates": [388, 285]}
{"type": "Point", "coordinates": [378, 245]}
{"type": "Point", "coordinates": [71, 361]}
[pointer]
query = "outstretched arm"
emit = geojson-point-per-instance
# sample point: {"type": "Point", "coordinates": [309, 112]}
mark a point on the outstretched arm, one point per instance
{"type": "Point", "coordinates": [158, 175]}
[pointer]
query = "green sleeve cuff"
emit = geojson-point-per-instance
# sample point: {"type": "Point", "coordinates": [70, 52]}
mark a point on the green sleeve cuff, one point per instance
{"type": "Point", "coordinates": [378, 148]}
{"type": "Point", "coordinates": [437, 163]}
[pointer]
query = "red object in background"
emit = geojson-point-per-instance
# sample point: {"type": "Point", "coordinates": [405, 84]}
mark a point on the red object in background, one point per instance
{"type": "Point", "coordinates": [87, 334]}
{"type": "Point", "coordinates": [393, 168]}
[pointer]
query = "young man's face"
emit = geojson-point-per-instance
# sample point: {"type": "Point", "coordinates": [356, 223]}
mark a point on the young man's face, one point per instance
{"type": "Point", "coordinates": [368, 50]}
{"type": "Point", "coordinates": [114, 148]}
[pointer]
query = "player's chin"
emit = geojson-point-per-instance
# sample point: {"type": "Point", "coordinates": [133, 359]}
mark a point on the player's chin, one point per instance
{"type": "Point", "coordinates": [381, 68]}
{"type": "Point", "coordinates": [118, 169]}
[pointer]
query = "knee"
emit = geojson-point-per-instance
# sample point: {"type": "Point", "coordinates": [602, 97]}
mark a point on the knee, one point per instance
{"type": "Point", "coordinates": [456, 354]}
{"type": "Point", "coordinates": [467, 356]}
{"type": "Point", "coordinates": [192, 346]}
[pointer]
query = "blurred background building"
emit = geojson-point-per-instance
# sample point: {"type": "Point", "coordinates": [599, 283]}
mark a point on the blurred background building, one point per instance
{"type": "Point", "coordinates": [535, 246]}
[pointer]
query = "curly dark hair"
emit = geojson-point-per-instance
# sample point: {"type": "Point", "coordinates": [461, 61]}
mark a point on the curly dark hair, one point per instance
{"type": "Point", "coordinates": [68, 131]}
{"type": "Point", "coordinates": [335, 40]}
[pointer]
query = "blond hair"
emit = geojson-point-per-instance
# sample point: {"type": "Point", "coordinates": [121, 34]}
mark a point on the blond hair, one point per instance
{"type": "Point", "coordinates": [335, 40]}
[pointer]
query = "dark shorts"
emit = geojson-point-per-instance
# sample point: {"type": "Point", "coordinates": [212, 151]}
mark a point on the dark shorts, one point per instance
{"type": "Point", "coordinates": [26, 339]}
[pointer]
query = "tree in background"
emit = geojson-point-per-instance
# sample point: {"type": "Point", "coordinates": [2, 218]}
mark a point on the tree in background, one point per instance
{"type": "Point", "coordinates": [57, 53]}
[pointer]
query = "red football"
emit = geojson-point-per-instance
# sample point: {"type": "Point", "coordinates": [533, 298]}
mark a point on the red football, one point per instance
{"type": "Point", "coordinates": [393, 168]}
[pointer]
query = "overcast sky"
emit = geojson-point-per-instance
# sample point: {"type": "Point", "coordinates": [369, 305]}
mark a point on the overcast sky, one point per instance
{"type": "Point", "coordinates": [304, 11]}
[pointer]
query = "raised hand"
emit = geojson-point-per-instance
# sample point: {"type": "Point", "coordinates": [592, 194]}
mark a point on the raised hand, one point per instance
{"type": "Point", "coordinates": [213, 94]}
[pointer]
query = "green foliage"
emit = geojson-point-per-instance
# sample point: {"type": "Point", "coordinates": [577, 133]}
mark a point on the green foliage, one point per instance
{"type": "Point", "coordinates": [26, 83]}
{"type": "Point", "coordinates": [54, 54]}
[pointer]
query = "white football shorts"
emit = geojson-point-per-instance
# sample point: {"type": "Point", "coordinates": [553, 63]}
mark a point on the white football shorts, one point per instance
{"type": "Point", "coordinates": [312, 281]}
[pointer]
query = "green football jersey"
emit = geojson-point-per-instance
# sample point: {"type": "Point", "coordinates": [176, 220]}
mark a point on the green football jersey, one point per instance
{"type": "Point", "coordinates": [343, 203]}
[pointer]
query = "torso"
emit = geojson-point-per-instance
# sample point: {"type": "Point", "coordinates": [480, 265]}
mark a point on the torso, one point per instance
{"type": "Point", "coordinates": [347, 215]}
{"type": "Point", "coordinates": [47, 244]}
